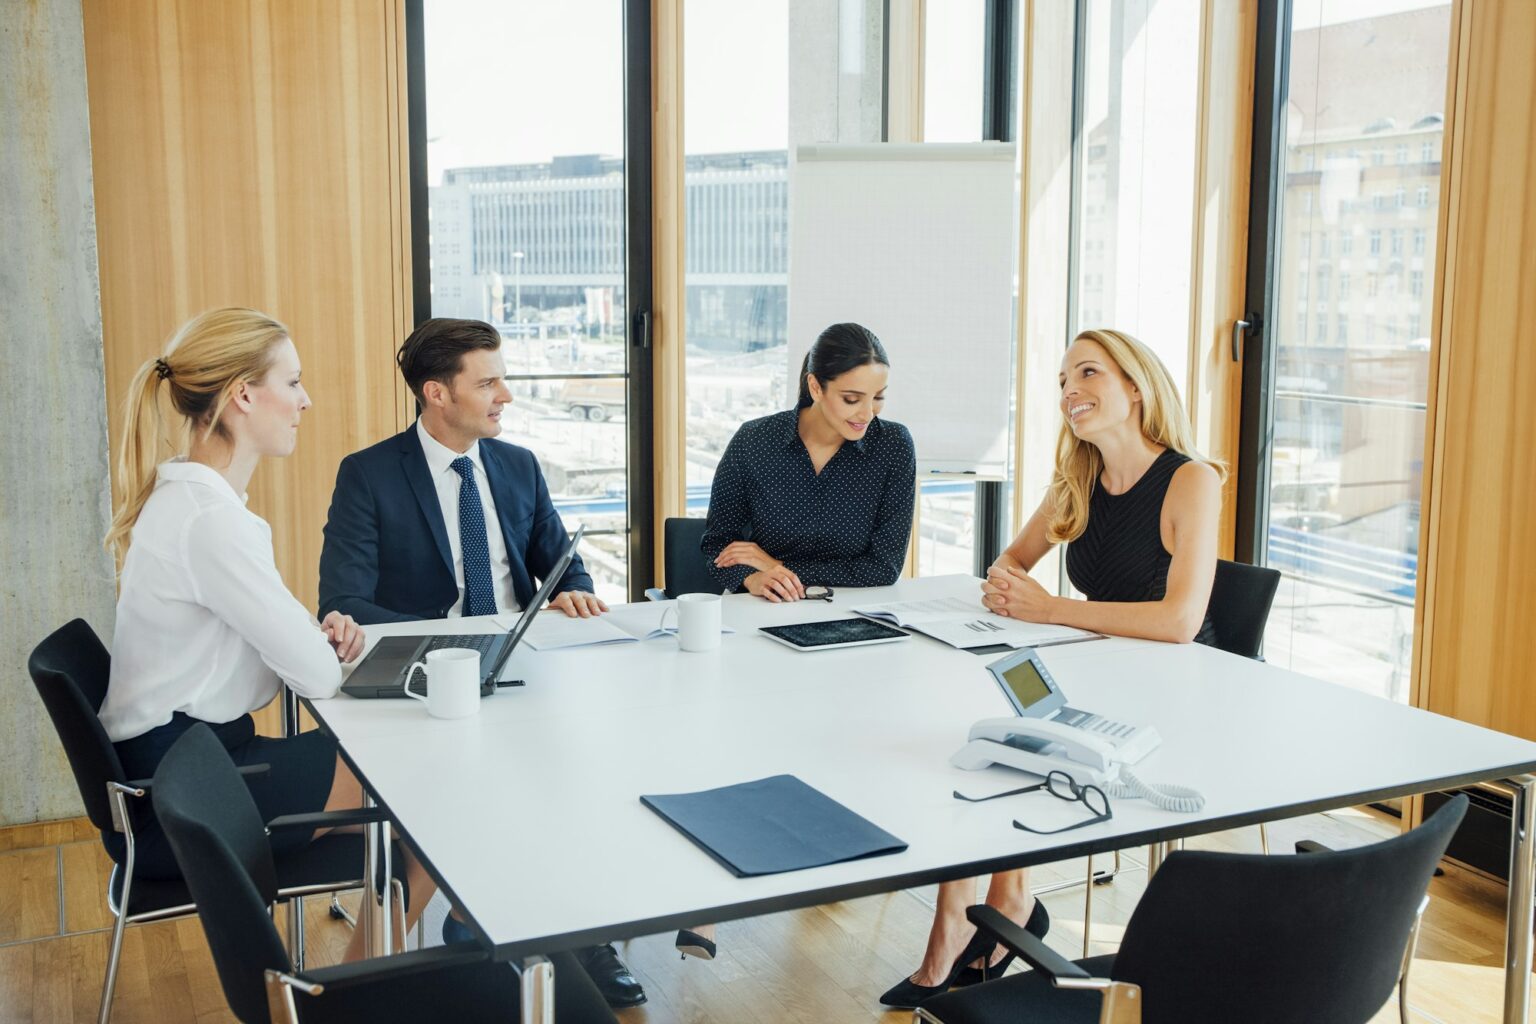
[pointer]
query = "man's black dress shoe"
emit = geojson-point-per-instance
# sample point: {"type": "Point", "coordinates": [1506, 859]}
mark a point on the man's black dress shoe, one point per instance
{"type": "Point", "coordinates": [1038, 924]}
{"type": "Point", "coordinates": [613, 979]}
{"type": "Point", "coordinates": [907, 994]}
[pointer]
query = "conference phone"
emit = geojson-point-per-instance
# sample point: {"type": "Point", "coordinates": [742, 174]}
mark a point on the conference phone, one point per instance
{"type": "Point", "coordinates": [1044, 734]}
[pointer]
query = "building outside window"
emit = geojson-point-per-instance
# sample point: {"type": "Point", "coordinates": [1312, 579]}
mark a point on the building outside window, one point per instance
{"type": "Point", "coordinates": [1347, 458]}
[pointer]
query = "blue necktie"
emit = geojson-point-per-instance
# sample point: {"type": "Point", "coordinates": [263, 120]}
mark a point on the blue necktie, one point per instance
{"type": "Point", "coordinates": [479, 598]}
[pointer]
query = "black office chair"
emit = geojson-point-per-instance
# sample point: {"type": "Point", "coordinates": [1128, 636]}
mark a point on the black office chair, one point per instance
{"type": "Point", "coordinates": [1241, 597]}
{"type": "Point", "coordinates": [70, 669]}
{"type": "Point", "coordinates": [224, 852]}
{"type": "Point", "coordinates": [1221, 937]}
{"type": "Point", "coordinates": [683, 561]}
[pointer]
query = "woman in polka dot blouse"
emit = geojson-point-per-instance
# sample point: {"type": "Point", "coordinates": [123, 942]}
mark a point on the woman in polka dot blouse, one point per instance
{"type": "Point", "coordinates": [818, 495]}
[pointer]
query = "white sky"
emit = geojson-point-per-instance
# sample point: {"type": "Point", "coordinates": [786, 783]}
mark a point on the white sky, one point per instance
{"type": "Point", "coordinates": [527, 80]}
{"type": "Point", "coordinates": [521, 81]}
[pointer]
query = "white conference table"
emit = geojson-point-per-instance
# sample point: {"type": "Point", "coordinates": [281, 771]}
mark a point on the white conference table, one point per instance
{"type": "Point", "coordinates": [528, 814]}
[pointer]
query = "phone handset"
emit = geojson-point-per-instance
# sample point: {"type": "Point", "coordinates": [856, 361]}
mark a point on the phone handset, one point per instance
{"type": "Point", "coordinates": [1038, 736]}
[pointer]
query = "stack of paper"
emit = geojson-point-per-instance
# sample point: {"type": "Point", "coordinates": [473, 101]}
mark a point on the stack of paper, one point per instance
{"type": "Point", "coordinates": [552, 630]}
{"type": "Point", "coordinates": [964, 623]}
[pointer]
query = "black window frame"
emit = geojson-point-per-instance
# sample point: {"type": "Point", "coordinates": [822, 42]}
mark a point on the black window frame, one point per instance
{"type": "Point", "coordinates": [638, 267]}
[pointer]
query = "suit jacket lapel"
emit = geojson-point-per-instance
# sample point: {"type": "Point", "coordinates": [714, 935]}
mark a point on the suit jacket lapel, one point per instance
{"type": "Point", "coordinates": [501, 484]}
{"type": "Point", "coordinates": [414, 462]}
{"type": "Point", "coordinates": [496, 479]}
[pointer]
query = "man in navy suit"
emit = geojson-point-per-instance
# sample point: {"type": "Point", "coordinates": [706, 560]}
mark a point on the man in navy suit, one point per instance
{"type": "Point", "coordinates": [395, 543]}
{"type": "Point", "coordinates": [445, 519]}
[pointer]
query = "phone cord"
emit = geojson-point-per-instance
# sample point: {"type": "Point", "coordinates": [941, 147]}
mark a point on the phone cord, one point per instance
{"type": "Point", "coordinates": [1164, 797]}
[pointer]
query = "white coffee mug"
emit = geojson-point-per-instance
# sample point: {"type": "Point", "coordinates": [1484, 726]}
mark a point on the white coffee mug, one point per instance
{"type": "Point", "coordinates": [453, 682]}
{"type": "Point", "coordinates": [698, 622]}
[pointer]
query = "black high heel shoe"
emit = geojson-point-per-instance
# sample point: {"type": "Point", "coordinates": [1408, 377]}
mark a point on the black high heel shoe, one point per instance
{"type": "Point", "coordinates": [691, 943]}
{"type": "Point", "coordinates": [1038, 924]}
{"type": "Point", "coordinates": [906, 994]}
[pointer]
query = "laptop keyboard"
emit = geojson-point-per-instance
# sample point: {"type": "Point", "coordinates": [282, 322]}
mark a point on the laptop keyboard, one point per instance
{"type": "Point", "coordinates": [475, 641]}
{"type": "Point", "coordinates": [480, 642]}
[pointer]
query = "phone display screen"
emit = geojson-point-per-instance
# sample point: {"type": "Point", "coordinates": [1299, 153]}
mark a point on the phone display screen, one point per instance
{"type": "Point", "coordinates": [1026, 684]}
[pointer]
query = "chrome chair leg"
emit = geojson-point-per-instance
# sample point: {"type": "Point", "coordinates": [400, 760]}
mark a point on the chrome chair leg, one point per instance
{"type": "Point", "coordinates": [1264, 838]}
{"type": "Point", "coordinates": [117, 796]}
{"type": "Point", "coordinates": [1088, 907]}
{"type": "Point", "coordinates": [1413, 945]}
{"type": "Point", "coordinates": [114, 956]}
{"type": "Point", "coordinates": [296, 932]}
{"type": "Point", "coordinates": [397, 893]}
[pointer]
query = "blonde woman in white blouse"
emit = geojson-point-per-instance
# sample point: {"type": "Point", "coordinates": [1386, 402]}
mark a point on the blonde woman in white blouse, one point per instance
{"type": "Point", "coordinates": [206, 631]}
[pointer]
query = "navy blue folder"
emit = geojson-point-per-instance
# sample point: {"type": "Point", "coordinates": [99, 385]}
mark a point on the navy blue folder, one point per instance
{"type": "Point", "coordinates": [772, 825]}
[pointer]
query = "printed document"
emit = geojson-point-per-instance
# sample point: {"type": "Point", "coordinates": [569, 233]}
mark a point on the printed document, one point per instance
{"type": "Point", "coordinates": [963, 623]}
{"type": "Point", "coordinates": [627, 624]}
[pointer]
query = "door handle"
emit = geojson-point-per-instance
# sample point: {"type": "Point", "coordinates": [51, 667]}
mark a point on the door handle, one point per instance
{"type": "Point", "coordinates": [642, 329]}
{"type": "Point", "coordinates": [1240, 330]}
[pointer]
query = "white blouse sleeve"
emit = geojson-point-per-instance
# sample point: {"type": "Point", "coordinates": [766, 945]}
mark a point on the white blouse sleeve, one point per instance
{"type": "Point", "coordinates": [229, 557]}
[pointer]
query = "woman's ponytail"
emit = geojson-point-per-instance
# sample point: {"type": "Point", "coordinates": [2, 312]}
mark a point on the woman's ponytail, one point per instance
{"type": "Point", "coordinates": [805, 401]}
{"type": "Point", "coordinates": [137, 456]}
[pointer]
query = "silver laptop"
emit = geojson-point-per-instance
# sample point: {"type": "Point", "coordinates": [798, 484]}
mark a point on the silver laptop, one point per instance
{"type": "Point", "coordinates": [382, 672]}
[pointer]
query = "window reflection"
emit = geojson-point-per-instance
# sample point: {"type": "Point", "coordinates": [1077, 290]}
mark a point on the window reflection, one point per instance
{"type": "Point", "coordinates": [1364, 127]}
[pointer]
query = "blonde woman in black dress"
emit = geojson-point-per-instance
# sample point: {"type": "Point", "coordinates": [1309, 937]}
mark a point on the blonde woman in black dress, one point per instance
{"type": "Point", "coordinates": [1138, 508]}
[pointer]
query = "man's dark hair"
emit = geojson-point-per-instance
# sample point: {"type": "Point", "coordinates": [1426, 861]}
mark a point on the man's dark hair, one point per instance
{"type": "Point", "coordinates": [435, 350]}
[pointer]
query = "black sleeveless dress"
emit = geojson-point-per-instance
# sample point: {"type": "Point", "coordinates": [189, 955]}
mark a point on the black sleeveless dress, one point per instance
{"type": "Point", "coordinates": [1120, 555]}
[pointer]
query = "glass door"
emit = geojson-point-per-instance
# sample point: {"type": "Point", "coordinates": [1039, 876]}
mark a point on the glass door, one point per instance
{"type": "Point", "coordinates": [1337, 378]}
{"type": "Point", "coordinates": [526, 197]}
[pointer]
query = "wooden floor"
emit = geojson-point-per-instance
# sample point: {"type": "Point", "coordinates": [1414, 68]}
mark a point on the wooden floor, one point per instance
{"type": "Point", "coordinates": [827, 965]}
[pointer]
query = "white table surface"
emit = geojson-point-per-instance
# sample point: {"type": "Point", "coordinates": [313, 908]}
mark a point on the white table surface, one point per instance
{"type": "Point", "coordinates": [529, 813]}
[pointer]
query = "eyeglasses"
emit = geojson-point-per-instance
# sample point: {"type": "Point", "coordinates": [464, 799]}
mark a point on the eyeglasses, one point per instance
{"type": "Point", "coordinates": [818, 594]}
{"type": "Point", "coordinates": [1062, 786]}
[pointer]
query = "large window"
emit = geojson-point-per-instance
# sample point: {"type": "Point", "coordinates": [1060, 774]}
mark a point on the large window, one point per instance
{"type": "Point", "coordinates": [954, 48]}
{"type": "Point", "coordinates": [1359, 170]}
{"type": "Point", "coordinates": [1135, 188]}
{"type": "Point", "coordinates": [526, 198]}
{"type": "Point", "coordinates": [736, 180]}
{"type": "Point", "coordinates": [812, 74]}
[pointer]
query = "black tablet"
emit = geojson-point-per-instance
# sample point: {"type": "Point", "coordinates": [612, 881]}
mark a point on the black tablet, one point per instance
{"type": "Point", "coordinates": [819, 636]}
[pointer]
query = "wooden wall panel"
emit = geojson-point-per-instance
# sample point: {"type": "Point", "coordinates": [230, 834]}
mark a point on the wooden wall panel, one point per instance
{"type": "Point", "coordinates": [1220, 252]}
{"type": "Point", "coordinates": [251, 152]}
{"type": "Point", "coordinates": [1478, 563]}
{"type": "Point", "coordinates": [669, 302]}
{"type": "Point", "coordinates": [1045, 214]}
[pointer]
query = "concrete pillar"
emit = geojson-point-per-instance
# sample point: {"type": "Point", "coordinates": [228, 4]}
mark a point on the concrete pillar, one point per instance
{"type": "Point", "coordinates": [54, 500]}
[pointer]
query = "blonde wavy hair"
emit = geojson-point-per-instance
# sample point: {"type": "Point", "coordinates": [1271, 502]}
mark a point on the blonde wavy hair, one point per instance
{"type": "Point", "coordinates": [200, 367]}
{"type": "Point", "coordinates": [1164, 421]}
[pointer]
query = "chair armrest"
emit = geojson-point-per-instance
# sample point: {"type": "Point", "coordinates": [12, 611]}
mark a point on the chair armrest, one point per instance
{"type": "Point", "coordinates": [1031, 950]}
{"type": "Point", "coordinates": [655, 594]}
{"type": "Point", "coordinates": [329, 819]}
{"type": "Point", "coordinates": [247, 769]}
{"type": "Point", "coordinates": [1120, 1000]}
{"type": "Point", "coordinates": [401, 965]}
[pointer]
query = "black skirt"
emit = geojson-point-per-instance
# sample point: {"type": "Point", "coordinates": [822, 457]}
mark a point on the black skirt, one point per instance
{"type": "Point", "coordinates": [302, 770]}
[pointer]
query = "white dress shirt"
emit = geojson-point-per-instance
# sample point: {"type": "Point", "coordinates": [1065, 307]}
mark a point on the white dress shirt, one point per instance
{"type": "Point", "coordinates": [447, 481]}
{"type": "Point", "coordinates": [205, 625]}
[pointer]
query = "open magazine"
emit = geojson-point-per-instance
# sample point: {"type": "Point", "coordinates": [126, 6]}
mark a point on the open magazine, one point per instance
{"type": "Point", "coordinates": [963, 623]}
{"type": "Point", "coordinates": [627, 624]}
